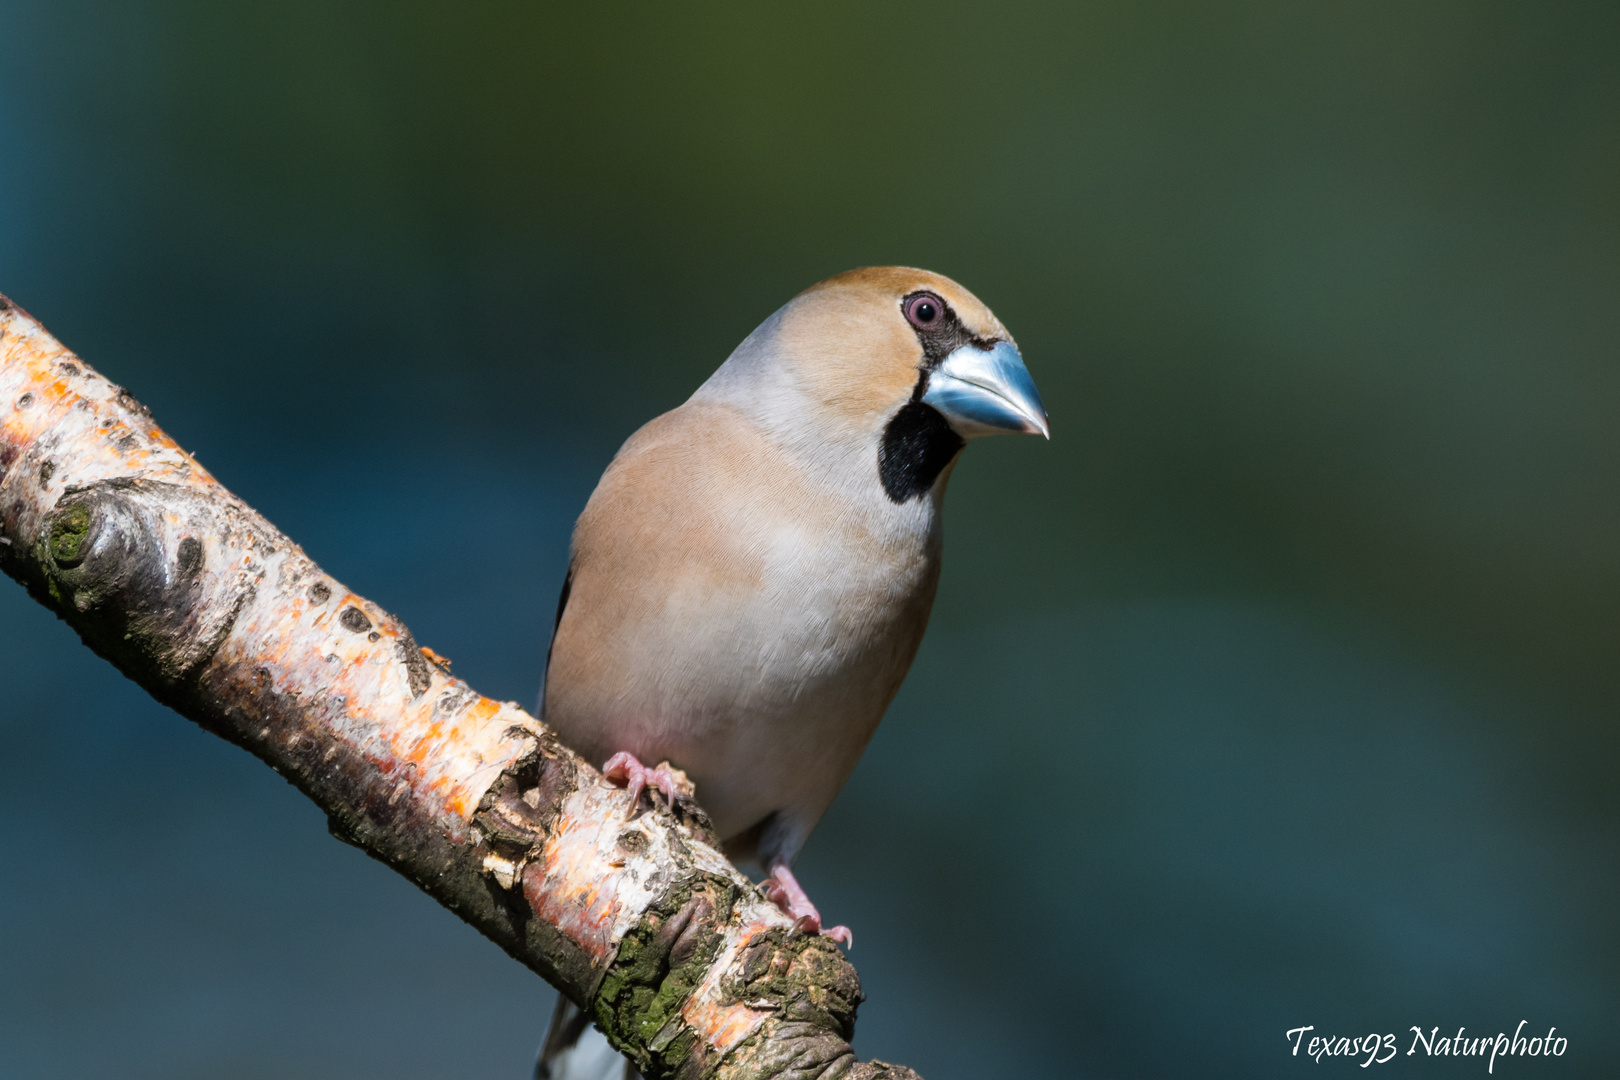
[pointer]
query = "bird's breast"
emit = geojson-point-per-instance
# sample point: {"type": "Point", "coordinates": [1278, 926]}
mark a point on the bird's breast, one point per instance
{"type": "Point", "coordinates": [740, 617]}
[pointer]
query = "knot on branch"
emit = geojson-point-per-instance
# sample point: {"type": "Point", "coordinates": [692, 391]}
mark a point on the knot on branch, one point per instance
{"type": "Point", "coordinates": [137, 568]}
{"type": "Point", "coordinates": [516, 813]}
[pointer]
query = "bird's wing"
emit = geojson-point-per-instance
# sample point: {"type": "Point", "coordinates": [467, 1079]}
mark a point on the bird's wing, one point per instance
{"type": "Point", "coordinates": [576, 1050]}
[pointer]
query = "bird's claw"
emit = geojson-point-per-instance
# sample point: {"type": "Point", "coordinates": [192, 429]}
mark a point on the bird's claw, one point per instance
{"type": "Point", "coordinates": [623, 770]}
{"type": "Point", "coordinates": [783, 890]}
{"type": "Point", "coordinates": [841, 934]}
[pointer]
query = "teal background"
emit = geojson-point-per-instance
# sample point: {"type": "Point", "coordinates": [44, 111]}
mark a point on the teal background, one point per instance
{"type": "Point", "coordinates": [1279, 688]}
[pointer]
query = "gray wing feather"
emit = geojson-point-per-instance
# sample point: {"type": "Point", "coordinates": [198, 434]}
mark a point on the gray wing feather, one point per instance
{"type": "Point", "coordinates": [575, 1050]}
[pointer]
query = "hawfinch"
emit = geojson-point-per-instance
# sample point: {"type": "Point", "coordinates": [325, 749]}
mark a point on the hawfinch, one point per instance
{"type": "Point", "coordinates": [751, 578]}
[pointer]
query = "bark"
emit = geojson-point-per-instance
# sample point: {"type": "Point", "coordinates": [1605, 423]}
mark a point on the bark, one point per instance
{"type": "Point", "coordinates": [634, 914]}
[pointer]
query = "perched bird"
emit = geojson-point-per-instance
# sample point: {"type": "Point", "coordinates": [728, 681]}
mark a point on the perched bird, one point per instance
{"type": "Point", "coordinates": [751, 578]}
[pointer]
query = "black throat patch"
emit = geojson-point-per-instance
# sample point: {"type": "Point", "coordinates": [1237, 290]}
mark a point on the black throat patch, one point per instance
{"type": "Point", "coordinates": [917, 445]}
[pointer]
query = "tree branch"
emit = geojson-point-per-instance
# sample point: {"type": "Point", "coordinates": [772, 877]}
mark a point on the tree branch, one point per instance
{"type": "Point", "coordinates": [193, 595]}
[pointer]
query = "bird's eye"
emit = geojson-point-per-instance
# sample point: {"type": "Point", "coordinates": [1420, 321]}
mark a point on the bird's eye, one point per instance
{"type": "Point", "coordinates": [923, 311]}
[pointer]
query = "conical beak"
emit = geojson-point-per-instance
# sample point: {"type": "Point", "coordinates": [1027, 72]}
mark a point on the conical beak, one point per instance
{"type": "Point", "coordinates": [987, 392]}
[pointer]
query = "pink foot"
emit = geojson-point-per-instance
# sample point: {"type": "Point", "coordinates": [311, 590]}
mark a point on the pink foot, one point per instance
{"type": "Point", "coordinates": [624, 770]}
{"type": "Point", "coordinates": [782, 889]}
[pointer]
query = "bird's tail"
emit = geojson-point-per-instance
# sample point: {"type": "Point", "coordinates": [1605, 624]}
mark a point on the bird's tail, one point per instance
{"type": "Point", "coordinates": [576, 1050]}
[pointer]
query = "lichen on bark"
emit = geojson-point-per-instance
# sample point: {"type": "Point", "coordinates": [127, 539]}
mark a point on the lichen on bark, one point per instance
{"type": "Point", "coordinates": [659, 963]}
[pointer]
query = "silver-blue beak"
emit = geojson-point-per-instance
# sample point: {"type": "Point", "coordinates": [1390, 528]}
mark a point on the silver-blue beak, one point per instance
{"type": "Point", "coordinates": [987, 392]}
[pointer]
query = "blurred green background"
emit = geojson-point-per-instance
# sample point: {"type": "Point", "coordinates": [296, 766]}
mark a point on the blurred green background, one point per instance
{"type": "Point", "coordinates": [1278, 689]}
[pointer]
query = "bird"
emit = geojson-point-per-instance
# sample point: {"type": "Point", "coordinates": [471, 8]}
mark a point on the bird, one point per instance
{"type": "Point", "coordinates": [749, 582]}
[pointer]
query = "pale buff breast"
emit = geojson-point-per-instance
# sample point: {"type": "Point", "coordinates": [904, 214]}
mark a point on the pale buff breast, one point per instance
{"type": "Point", "coordinates": [733, 614]}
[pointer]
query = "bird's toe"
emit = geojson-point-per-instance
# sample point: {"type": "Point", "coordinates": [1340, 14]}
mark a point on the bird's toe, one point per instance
{"type": "Point", "coordinates": [784, 890]}
{"type": "Point", "coordinates": [625, 770]}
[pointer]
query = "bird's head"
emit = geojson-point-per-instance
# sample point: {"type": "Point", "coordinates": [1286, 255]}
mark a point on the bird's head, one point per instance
{"type": "Point", "coordinates": [903, 357]}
